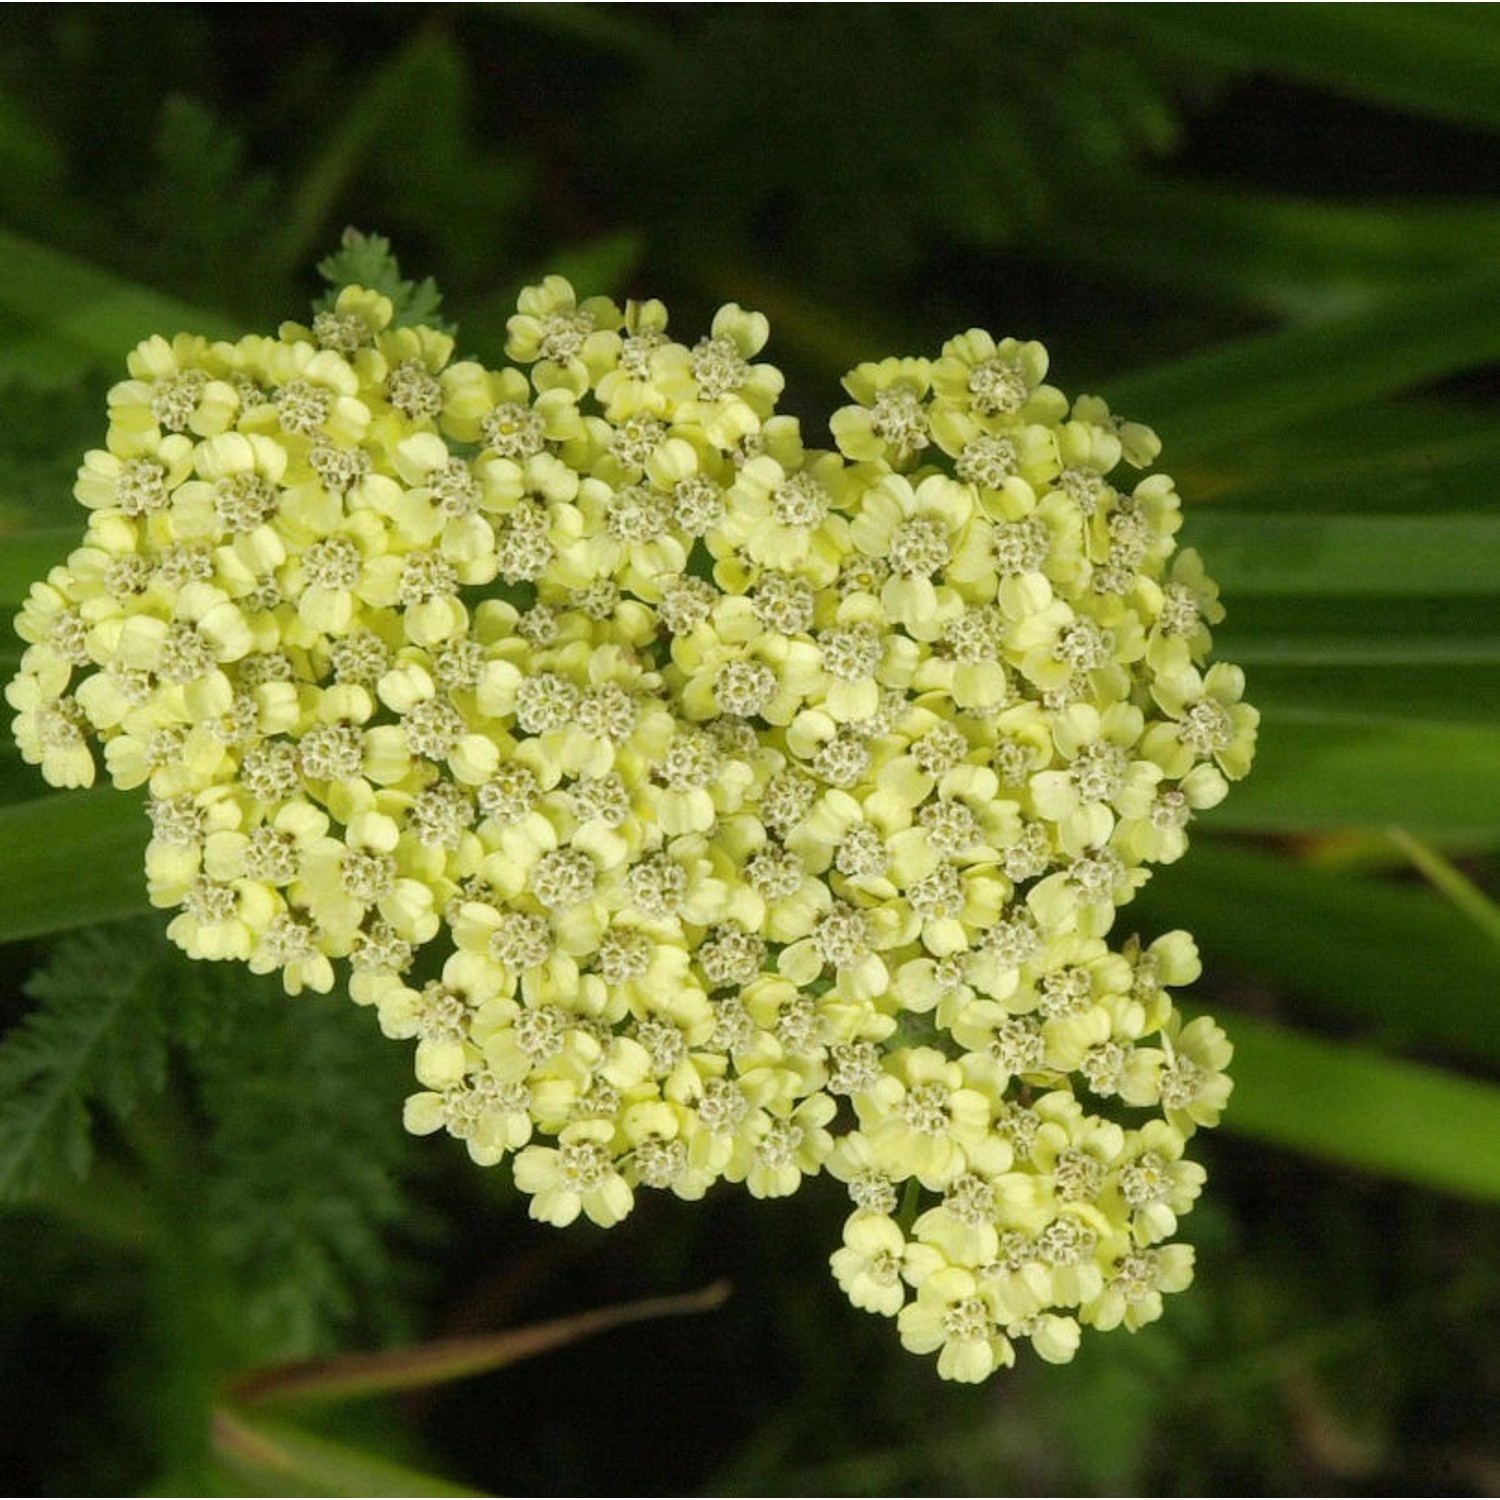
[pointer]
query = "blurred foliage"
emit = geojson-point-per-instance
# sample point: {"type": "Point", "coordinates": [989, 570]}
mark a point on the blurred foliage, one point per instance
{"type": "Point", "coordinates": [1269, 231]}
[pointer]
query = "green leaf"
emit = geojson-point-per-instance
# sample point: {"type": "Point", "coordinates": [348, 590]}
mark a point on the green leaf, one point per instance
{"type": "Point", "coordinates": [303, 1154]}
{"type": "Point", "coordinates": [1351, 945]}
{"type": "Point", "coordinates": [347, 1377]}
{"type": "Point", "coordinates": [1452, 882]}
{"type": "Point", "coordinates": [70, 861]}
{"type": "Point", "coordinates": [1206, 405]}
{"type": "Point", "coordinates": [1328, 773]}
{"type": "Point", "coordinates": [42, 362]}
{"type": "Point", "coordinates": [97, 1037]}
{"type": "Point", "coordinates": [100, 314]}
{"type": "Point", "coordinates": [1369, 630]}
{"type": "Point", "coordinates": [1355, 1107]}
{"type": "Point", "coordinates": [1373, 695]}
{"type": "Point", "coordinates": [1411, 455]}
{"type": "Point", "coordinates": [1442, 63]}
{"type": "Point", "coordinates": [1301, 259]}
{"type": "Point", "coordinates": [273, 1457]}
{"type": "Point", "coordinates": [289, 1149]}
{"type": "Point", "coordinates": [43, 438]}
{"type": "Point", "coordinates": [1349, 554]}
{"type": "Point", "coordinates": [367, 260]}
{"type": "Point", "coordinates": [27, 556]}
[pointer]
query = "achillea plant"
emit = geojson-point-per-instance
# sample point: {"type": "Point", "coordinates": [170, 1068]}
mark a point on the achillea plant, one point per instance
{"type": "Point", "coordinates": [703, 805]}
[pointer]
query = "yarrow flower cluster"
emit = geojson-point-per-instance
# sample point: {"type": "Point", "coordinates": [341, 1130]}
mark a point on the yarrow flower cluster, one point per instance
{"type": "Point", "coordinates": [704, 806]}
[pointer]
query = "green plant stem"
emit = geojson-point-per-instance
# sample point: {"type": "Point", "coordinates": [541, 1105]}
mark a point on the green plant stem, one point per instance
{"type": "Point", "coordinates": [1457, 887]}
{"type": "Point", "coordinates": [192, 1309]}
{"type": "Point", "coordinates": [110, 1207]}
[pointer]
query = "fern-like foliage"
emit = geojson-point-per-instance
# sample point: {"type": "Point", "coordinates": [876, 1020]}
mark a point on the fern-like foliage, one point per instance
{"type": "Point", "coordinates": [303, 1159]}
{"type": "Point", "coordinates": [97, 1039]}
{"type": "Point", "coordinates": [284, 1115]}
{"type": "Point", "coordinates": [367, 260]}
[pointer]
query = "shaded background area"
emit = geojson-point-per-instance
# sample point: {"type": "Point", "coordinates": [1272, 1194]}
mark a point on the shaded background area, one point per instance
{"type": "Point", "coordinates": [1270, 232]}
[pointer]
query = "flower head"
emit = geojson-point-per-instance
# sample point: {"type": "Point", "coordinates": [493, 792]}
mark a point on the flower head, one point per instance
{"type": "Point", "coordinates": [752, 808]}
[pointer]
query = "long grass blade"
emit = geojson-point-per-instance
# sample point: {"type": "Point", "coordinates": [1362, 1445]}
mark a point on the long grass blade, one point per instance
{"type": "Point", "coordinates": [1440, 63]}
{"type": "Point", "coordinates": [276, 1458]}
{"type": "Point", "coordinates": [1452, 882]}
{"type": "Point", "coordinates": [71, 860]}
{"type": "Point", "coordinates": [346, 1377]}
{"type": "Point", "coordinates": [1207, 404]}
{"type": "Point", "coordinates": [1355, 1107]}
{"type": "Point", "coordinates": [1345, 946]}
{"type": "Point", "coordinates": [96, 311]}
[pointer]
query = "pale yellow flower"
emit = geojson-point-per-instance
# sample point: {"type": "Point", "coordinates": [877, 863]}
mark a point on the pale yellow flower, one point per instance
{"type": "Point", "coordinates": [956, 1315]}
{"type": "Point", "coordinates": [869, 1266]}
{"type": "Point", "coordinates": [668, 783]}
{"type": "Point", "coordinates": [578, 1176]}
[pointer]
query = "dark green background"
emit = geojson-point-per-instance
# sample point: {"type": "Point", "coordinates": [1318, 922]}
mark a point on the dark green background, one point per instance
{"type": "Point", "coordinates": [1272, 233]}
